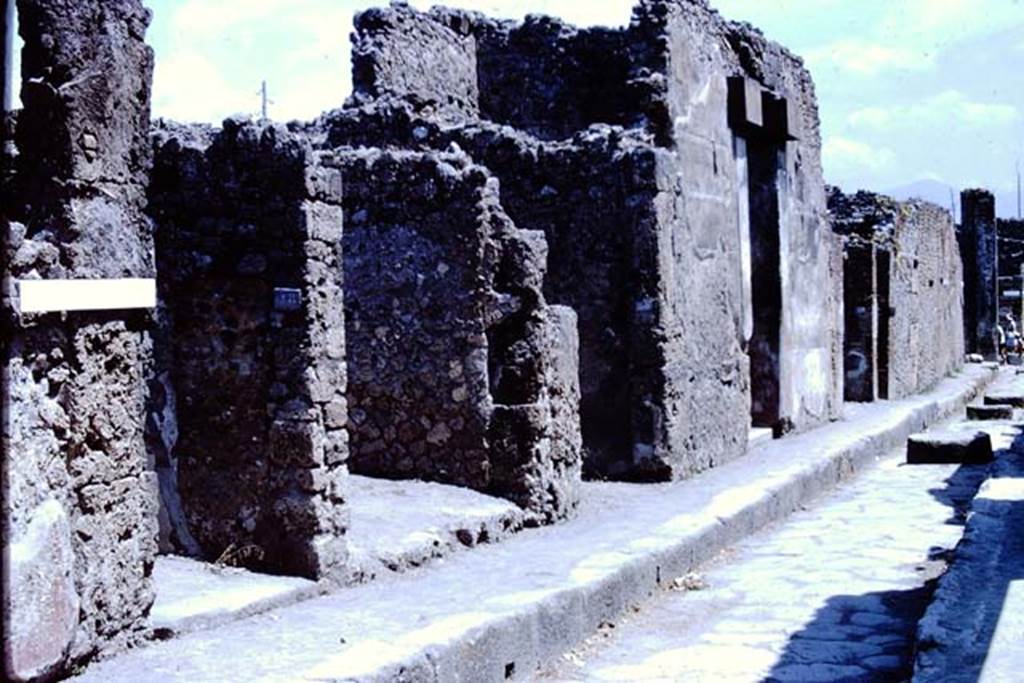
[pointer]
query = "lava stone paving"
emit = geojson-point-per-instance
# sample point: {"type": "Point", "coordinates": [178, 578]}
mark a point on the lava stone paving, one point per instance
{"type": "Point", "coordinates": [832, 594]}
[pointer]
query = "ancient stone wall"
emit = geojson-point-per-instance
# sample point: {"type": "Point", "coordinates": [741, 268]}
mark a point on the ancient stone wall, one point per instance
{"type": "Point", "coordinates": [432, 60]}
{"type": "Point", "coordinates": [904, 303]}
{"type": "Point", "coordinates": [979, 250]}
{"type": "Point", "coordinates": [1011, 261]}
{"type": "Point", "coordinates": [550, 79]}
{"type": "Point", "coordinates": [926, 300]}
{"type": "Point", "coordinates": [459, 370]}
{"type": "Point", "coordinates": [248, 242]}
{"type": "Point", "coordinates": [79, 501]}
{"type": "Point", "coordinates": [665, 303]}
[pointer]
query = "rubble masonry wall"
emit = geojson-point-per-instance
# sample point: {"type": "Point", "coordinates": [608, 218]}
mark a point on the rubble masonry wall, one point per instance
{"type": "Point", "coordinates": [675, 292]}
{"type": "Point", "coordinates": [248, 243]}
{"type": "Point", "coordinates": [79, 500]}
{"type": "Point", "coordinates": [459, 370]}
{"type": "Point", "coordinates": [925, 339]}
{"type": "Point", "coordinates": [913, 293]}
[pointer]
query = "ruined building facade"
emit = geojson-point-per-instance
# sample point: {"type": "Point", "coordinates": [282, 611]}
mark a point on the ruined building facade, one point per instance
{"type": "Point", "coordinates": [521, 255]}
{"type": "Point", "coordinates": [673, 167]}
{"type": "Point", "coordinates": [903, 295]}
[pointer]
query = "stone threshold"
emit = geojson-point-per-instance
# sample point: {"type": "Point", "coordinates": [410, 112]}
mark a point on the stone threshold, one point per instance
{"type": "Point", "coordinates": [395, 526]}
{"type": "Point", "coordinates": [499, 612]}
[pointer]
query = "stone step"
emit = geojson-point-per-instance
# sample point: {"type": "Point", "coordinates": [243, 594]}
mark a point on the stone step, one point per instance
{"type": "Point", "coordinates": [1008, 397]}
{"type": "Point", "coordinates": [991, 412]}
{"type": "Point", "coordinates": [945, 447]}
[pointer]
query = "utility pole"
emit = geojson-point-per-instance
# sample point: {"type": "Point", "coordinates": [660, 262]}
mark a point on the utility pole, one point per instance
{"type": "Point", "coordinates": [1018, 191]}
{"type": "Point", "coordinates": [264, 101]}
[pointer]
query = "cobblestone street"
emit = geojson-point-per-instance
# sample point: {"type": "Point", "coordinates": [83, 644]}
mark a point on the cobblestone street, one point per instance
{"type": "Point", "coordinates": [833, 593]}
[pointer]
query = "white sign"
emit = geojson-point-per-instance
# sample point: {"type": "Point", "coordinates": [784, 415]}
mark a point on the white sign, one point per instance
{"type": "Point", "coordinates": [45, 296]}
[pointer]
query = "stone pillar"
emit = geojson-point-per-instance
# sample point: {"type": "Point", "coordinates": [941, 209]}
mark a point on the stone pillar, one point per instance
{"type": "Point", "coordinates": [981, 270]}
{"type": "Point", "coordinates": [79, 506]}
{"type": "Point", "coordinates": [249, 237]}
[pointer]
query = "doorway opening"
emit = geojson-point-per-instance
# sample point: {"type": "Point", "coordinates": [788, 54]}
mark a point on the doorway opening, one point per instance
{"type": "Point", "coordinates": [763, 163]}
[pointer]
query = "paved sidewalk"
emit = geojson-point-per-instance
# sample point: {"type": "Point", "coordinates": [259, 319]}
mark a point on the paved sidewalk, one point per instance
{"type": "Point", "coordinates": [501, 610]}
{"type": "Point", "coordinates": [833, 593]}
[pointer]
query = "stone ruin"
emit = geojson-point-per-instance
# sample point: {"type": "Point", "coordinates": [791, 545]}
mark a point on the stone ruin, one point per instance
{"type": "Point", "coordinates": [979, 249]}
{"type": "Point", "coordinates": [460, 372]}
{"type": "Point", "coordinates": [904, 328]}
{"type": "Point", "coordinates": [1011, 266]}
{"type": "Point", "coordinates": [80, 497]}
{"type": "Point", "coordinates": [993, 259]}
{"type": "Point", "coordinates": [251, 347]}
{"type": "Point", "coordinates": [521, 254]}
{"type": "Point", "coordinates": [674, 157]}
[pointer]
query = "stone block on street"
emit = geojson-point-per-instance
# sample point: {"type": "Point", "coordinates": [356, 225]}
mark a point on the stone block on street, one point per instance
{"type": "Point", "coordinates": [990, 412]}
{"type": "Point", "coordinates": [949, 447]}
{"type": "Point", "coordinates": [1005, 398]}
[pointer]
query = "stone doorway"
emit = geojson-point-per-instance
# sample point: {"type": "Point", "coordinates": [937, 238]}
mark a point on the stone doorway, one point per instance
{"type": "Point", "coordinates": [763, 163]}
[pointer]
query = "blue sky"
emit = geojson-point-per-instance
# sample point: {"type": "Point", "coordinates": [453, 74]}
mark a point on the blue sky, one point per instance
{"type": "Point", "coordinates": [909, 90]}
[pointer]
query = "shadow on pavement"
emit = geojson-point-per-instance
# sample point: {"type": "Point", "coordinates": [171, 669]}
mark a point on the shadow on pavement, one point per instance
{"type": "Point", "coordinates": [871, 637]}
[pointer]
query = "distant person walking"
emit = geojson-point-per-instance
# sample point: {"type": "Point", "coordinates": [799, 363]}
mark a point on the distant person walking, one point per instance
{"type": "Point", "coordinates": [1012, 336]}
{"type": "Point", "coordinates": [1000, 335]}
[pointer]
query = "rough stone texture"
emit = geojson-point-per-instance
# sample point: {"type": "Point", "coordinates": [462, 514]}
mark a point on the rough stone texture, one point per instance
{"type": "Point", "coordinates": [634, 214]}
{"type": "Point", "coordinates": [971, 632]}
{"type": "Point", "coordinates": [259, 382]}
{"type": "Point", "coordinates": [979, 249]}
{"type": "Point", "coordinates": [998, 412]}
{"type": "Point", "coordinates": [73, 383]}
{"type": "Point", "coordinates": [1011, 265]}
{"type": "Point", "coordinates": [949, 447]}
{"type": "Point", "coordinates": [442, 55]}
{"type": "Point", "coordinates": [902, 283]}
{"type": "Point", "coordinates": [457, 364]}
{"type": "Point", "coordinates": [43, 596]}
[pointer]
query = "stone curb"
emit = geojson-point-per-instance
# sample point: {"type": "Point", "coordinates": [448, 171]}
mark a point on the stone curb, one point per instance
{"type": "Point", "coordinates": [971, 630]}
{"type": "Point", "coordinates": [507, 647]}
{"type": "Point", "coordinates": [537, 621]}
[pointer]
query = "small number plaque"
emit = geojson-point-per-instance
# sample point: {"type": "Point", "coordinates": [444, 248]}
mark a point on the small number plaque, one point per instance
{"type": "Point", "coordinates": [287, 299]}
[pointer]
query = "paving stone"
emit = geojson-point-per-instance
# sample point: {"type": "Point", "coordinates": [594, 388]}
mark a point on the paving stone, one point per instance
{"type": "Point", "coordinates": [990, 412]}
{"type": "Point", "coordinates": [835, 591]}
{"type": "Point", "coordinates": [817, 672]}
{"type": "Point", "coordinates": [884, 662]}
{"type": "Point", "coordinates": [949, 447]}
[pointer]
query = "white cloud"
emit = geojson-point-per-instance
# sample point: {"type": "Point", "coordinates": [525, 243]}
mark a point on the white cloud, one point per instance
{"type": "Point", "coordinates": [844, 156]}
{"type": "Point", "coordinates": [943, 110]}
{"type": "Point", "coordinates": [924, 20]}
{"type": "Point", "coordinates": [188, 87]}
{"type": "Point", "coordinates": [868, 58]}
